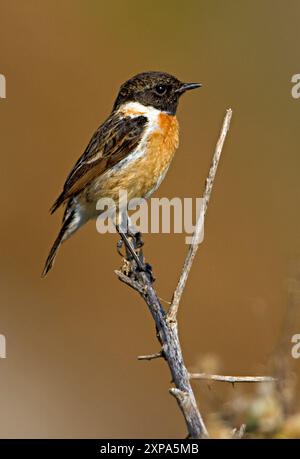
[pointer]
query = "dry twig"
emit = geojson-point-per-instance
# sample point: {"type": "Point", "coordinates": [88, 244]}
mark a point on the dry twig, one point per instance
{"type": "Point", "coordinates": [157, 355]}
{"type": "Point", "coordinates": [239, 433]}
{"type": "Point", "coordinates": [172, 313]}
{"type": "Point", "coordinates": [232, 379]}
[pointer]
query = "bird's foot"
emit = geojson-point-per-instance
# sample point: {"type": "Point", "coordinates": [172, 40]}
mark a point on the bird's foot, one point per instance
{"type": "Point", "coordinates": [148, 270]}
{"type": "Point", "coordinates": [138, 240]}
{"type": "Point", "coordinates": [119, 248]}
{"type": "Point", "coordinates": [140, 264]}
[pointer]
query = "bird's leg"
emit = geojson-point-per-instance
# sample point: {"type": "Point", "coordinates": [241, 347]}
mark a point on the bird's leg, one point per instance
{"type": "Point", "coordinates": [138, 244]}
{"type": "Point", "coordinates": [137, 236]}
{"type": "Point", "coordinates": [119, 248]}
{"type": "Point", "coordinates": [130, 249]}
{"type": "Point", "coordinates": [139, 241]}
{"type": "Point", "coordinates": [126, 267]}
{"type": "Point", "coordinates": [121, 227]}
{"type": "Point", "coordinates": [134, 233]}
{"type": "Point", "coordinates": [133, 243]}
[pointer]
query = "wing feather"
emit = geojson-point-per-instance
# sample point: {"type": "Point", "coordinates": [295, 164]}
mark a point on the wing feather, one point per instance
{"type": "Point", "coordinates": [111, 143]}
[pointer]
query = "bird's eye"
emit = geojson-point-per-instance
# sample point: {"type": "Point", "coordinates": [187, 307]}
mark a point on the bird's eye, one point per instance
{"type": "Point", "coordinates": [161, 89]}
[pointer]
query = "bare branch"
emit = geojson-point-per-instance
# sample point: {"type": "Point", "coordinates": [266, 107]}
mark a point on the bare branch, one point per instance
{"type": "Point", "coordinates": [167, 335]}
{"type": "Point", "coordinates": [172, 313]}
{"type": "Point", "coordinates": [232, 379]}
{"type": "Point", "coordinates": [151, 356]}
{"type": "Point", "coordinates": [132, 283]}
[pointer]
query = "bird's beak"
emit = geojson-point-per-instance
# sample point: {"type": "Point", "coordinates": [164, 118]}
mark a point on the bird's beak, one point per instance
{"type": "Point", "coordinates": [187, 86]}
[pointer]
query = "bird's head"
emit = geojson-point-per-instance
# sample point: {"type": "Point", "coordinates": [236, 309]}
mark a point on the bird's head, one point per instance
{"type": "Point", "coordinates": [156, 89]}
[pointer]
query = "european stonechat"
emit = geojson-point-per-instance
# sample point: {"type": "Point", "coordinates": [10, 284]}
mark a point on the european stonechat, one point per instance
{"type": "Point", "coordinates": [132, 150]}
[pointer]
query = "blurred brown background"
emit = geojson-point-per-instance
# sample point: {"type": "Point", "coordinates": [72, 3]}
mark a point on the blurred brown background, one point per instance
{"type": "Point", "coordinates": [72, 339]}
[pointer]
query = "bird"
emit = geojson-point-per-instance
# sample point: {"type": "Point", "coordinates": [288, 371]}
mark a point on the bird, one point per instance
{"type": "Point", "coordinates": [132, 150]}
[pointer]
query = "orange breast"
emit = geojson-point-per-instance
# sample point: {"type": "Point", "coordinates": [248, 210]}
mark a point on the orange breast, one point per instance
{"type": "Point", "coordinates": [164, 141]}
{"type": "Point", "coordinates": [143, 174]}
{"type": "Point", "coordinates": [161, 145]}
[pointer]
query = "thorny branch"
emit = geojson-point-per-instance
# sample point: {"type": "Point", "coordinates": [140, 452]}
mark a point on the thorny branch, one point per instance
{"type": "Point", "coordinates": [138, 275]}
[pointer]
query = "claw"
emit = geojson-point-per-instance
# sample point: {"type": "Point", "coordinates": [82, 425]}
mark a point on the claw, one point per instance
{"type": "Point", "coordinates": [148, 270]}
{"type": "Point", "coordinates": [119, 247]}
{"type": "Point", "coordinates": [138, 240]}
{"type": "Point", "coordinates": [136, 254]}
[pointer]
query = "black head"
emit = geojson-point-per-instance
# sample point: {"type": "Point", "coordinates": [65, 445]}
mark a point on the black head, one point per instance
{"type": "Point", "coordinates": [157, 89]}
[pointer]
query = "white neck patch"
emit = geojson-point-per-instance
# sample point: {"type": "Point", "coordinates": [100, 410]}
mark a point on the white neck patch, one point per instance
{"type": "Point", "coordinates": [134, 109]}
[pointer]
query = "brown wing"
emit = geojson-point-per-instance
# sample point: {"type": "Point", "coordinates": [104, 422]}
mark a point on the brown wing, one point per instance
{"type": "Point", "coordinates": [111, 143]}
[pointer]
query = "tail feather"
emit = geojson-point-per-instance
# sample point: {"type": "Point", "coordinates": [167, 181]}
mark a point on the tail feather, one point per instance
{"type": "Point", "coordinates": [59, 201]}
{"type": "Point", "coordinates": [57, 243]}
